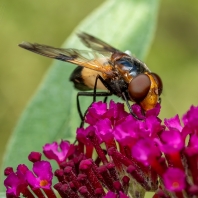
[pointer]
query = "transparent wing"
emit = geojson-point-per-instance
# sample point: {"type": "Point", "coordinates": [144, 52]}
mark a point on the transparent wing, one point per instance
{"type": "Point", "coordinates": [89, 59]}
{"type": "Point", "coordinates": [95, 43]}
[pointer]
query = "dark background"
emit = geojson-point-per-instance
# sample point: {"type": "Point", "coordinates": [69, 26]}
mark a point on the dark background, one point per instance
{"type": "Point", "coordinates": [173, 54]}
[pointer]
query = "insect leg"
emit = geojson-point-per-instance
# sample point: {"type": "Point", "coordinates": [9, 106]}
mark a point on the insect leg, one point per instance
{"type": "Point", "coordinates": [129, 107]}
{"type": "Point", "coordinates": [105, 99]}
{"type": "Point", "coordinates": [78, 104]}
{"type": "Point", "coordinates": [160, 100]}
{"type": "Point", "coordinates": [92, 94]}
{"type": "Point", "coordinates": [95, 87]}
{"type": "Point", "coordinates": [104, 83]}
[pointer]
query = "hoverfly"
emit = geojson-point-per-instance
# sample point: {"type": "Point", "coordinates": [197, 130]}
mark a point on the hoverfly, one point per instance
{"type": "Point", "coordinates": [107, 69]}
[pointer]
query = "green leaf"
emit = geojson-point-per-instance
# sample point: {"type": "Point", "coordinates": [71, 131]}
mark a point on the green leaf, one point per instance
{"type": "Point", "coordinates": [2, 195]}
{"type": "Point", "coordinates": [52, 113]}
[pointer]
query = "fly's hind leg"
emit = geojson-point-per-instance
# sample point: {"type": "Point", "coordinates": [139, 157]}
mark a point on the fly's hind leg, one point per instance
{"type": "Point", "coordinates": [93, 94]}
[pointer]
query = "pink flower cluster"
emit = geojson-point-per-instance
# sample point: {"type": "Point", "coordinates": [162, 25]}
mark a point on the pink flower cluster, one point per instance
{"type": "Point", "coordinates": [117, 155]}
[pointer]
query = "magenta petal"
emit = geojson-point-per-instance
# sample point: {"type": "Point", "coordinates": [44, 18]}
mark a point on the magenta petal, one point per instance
{"type": "Point", "coordinates": [99, 110]}
{"type": "Point", "coordinates": [21, 170]}
{"type": "Point", "coordinates": [127, 132]}
{"type": "Point", "coordinates": [174, 179]}
{"type": "Point", "coordinates": [192, 148]}
{"type": "Point", "coordinates": [104, 130]}
{"type": "Point", "coordinates": [193, 142]}
{"type": "Point", "coordinates": [81, 136]}
{"type": "Point", "coordinates": [51, 151]}
{"type": "Point", "coordinates": [116, 111]}
{"type": "Point", "coordinates": [99, 107]}
{"type": "Point", "coordinates": [173, 123]}
{"type": "Point", "coordinates": [112, 111]}
{"type": "Point", "coordinates": [43, 169]}
{"type": "Point", "coordinates": [32, 179]}
{"type": "Point", "coordinates": [95, 112]}
{"type": "Point", "coordinates": [171, 141]}
{"type": "Point", "coordinates": [83, 133]}
{"type": "Point", "coordinates": [191, 117]}
{"type": "Point", "coordinates": [154, 112]}
{"type": "Point", "coordinates": [43, 175]}
{"type": "Point", "coordinates": [14, 184]}
{"type": "Point", "coordinates": [137, 110]}
{"type": "Point", "coordinates": [145, 151]}
{"type": "Point", "coordinates": [67, 147]}
{"type": "Point", "coordinates": [150, 127]}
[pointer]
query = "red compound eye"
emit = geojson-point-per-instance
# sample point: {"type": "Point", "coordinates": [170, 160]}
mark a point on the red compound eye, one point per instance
{"type": "Point", "coordinates": [159, 82]}
{"type": "Point", "coordinates": [139, 87]}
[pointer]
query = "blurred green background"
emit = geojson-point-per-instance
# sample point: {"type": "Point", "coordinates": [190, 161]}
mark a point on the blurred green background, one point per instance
{"type": "Point", "coordinates": [173, 54]}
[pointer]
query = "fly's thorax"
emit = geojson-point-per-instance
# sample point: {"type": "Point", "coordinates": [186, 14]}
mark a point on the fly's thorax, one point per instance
{"type": "Point", "coordinates": [123, 73]}
{"type": "Point", "coordinates": [129, 67]}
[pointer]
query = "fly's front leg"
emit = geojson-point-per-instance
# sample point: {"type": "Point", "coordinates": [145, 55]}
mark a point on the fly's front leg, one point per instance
{"type": "Point", "coordinates": [105, 99]}
{"type": "Point", "coordinates": [95, 88]}
{"type": "Point", "coordinates": [129, 107]}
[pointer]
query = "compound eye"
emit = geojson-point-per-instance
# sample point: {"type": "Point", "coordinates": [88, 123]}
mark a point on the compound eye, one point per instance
{"type": "Point", "coordinates": [159, 82]}
{"type": "Point", "coordinates": [139, 87]}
